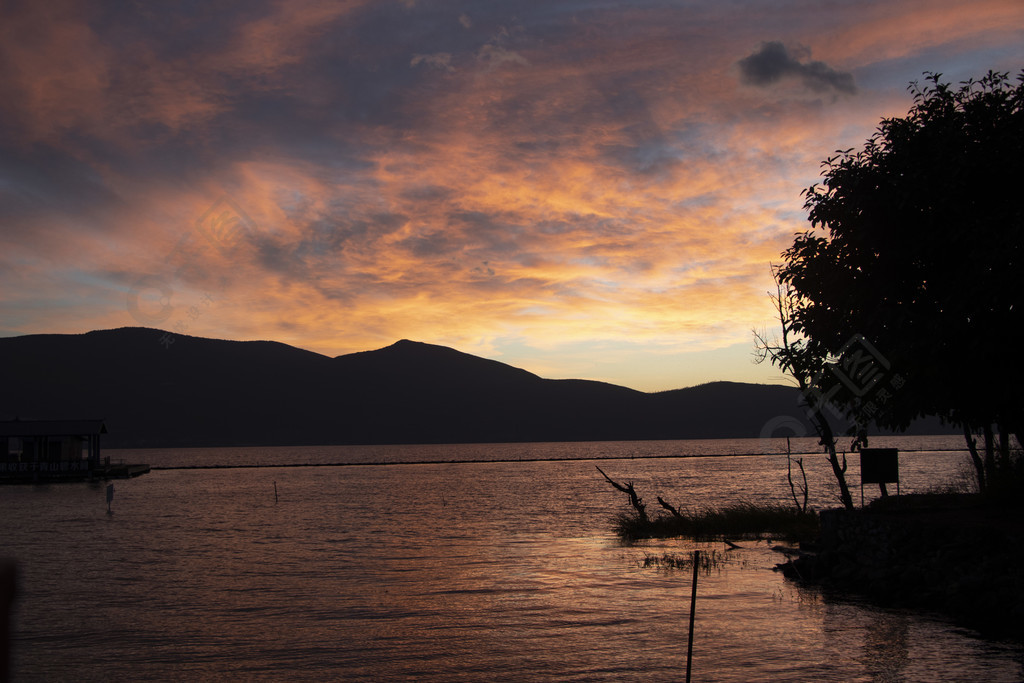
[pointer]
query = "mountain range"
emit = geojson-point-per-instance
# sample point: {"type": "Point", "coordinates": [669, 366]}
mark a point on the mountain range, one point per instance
{"type": "Point", "coordinates": [155, 389]}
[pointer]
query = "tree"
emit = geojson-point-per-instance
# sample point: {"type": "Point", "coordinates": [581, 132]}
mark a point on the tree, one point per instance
{"type": "Point", "coordinates": [917, 248]}
{"type": "Point", "coordinates": [793, 354]}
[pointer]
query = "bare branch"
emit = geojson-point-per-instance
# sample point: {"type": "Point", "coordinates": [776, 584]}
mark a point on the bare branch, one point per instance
{"type": "Point", "coordinates": [627, 488]}
{"type": "Point", "coordinates": [792, 355]}
{"type": "Point", "coordinates": [667, 506]}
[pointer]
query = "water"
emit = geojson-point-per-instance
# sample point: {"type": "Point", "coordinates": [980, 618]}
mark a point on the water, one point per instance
{"type": "Point", "coordinates": [443, 571]}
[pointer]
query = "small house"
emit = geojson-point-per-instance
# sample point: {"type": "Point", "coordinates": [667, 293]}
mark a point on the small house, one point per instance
{"type": "Point", "coordinates": [49, 449]}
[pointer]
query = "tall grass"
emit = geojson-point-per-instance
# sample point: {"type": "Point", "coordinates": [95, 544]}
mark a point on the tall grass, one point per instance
{"type": "Point", "coordinates": [737, 521]}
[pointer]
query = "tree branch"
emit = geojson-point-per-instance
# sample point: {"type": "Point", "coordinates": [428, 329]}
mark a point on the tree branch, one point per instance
{"type": "Point", "coordinates": [634, 500]}
{"type": "Point", "coordinates": [667, 506]}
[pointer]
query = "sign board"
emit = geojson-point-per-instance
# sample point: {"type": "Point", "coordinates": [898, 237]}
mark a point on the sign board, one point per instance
{"type": "Point", "coordinates": [879, 466]}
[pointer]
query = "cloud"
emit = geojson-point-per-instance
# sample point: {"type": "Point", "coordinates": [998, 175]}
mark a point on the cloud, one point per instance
{"type": "Point", "coordinates": [496, 55]}
{"type": "Point", "coordinates": [772, 62]}
{"type": "Point", "coordinates": [438, 60]}
{"type": "Point", "coordinates": [406, 178]}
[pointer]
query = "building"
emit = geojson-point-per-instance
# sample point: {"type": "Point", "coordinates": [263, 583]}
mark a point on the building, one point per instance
{"type": "Point", "coordinates": [36, 450]}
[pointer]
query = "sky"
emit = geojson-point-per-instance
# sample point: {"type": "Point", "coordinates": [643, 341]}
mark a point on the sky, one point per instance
{"type": "Point", "coordinates": [581, 189]}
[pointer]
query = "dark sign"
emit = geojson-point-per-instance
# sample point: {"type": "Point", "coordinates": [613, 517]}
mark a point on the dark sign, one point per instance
{"type": "Point", "coordinates": [879, 466]}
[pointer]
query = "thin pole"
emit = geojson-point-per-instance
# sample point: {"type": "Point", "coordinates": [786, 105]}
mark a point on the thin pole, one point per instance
{"type": "Point", "coordinates": [693, 606]}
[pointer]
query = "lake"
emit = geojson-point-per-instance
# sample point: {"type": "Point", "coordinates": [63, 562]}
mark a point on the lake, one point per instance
{"type": "Point", "coordinates": [481, 562]}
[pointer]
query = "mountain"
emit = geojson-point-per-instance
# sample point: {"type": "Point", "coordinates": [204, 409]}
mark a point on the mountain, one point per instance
{"type": "Point", "coordinates": [156, 389]}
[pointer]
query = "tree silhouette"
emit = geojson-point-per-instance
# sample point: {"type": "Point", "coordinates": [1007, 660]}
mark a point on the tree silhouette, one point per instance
{"type": "Point", "coordinates": [793, 354]}
{"type": "Point", "coordinates": [917, 247]}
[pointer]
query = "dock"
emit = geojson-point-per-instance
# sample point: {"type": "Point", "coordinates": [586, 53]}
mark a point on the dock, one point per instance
{"type": "Point", "coordinates": [121, 471]}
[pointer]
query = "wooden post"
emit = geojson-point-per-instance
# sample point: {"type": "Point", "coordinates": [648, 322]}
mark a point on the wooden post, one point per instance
{"type": "Point", "coordinates": [693, 607]}
{"type": "Point", "coordinates": [8, 590]}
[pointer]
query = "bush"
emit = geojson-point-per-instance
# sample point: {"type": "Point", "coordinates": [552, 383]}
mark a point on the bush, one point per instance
{"type": "Point", "coordinates": [739, 521]}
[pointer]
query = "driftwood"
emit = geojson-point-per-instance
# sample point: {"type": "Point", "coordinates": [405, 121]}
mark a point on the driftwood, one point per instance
{"type": "Point", "coordinates": [634, 500]}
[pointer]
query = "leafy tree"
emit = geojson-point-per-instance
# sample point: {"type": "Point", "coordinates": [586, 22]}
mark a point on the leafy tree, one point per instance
{"type": "Point", "coordinates": [917, 249]}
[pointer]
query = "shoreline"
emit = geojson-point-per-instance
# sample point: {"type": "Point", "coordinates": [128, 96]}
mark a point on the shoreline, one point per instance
{"type": "Point", "coordinates": [952, 554]}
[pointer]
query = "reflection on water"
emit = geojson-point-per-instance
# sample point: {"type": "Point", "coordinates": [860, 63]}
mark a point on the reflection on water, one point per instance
{"type": "Point", "coordinates": [485, 571]}
{"type": "Point", "coordinates": [885, 647]}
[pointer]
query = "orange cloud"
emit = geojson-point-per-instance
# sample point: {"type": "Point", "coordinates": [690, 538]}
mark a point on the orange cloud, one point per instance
{"type": "Point", "coordinates": [524, 185]}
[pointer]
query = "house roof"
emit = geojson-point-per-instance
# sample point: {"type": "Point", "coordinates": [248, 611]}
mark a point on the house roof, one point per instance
{"type": "Point", "coordinates": [52, 427]}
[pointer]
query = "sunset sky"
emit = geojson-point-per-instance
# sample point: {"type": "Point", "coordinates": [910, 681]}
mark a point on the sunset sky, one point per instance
{"type": "Point", "coordinates": [581, 189]}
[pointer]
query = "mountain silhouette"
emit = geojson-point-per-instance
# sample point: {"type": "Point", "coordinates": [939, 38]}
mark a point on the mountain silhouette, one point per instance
{"type": "Point", "coordinates": [156, 389]}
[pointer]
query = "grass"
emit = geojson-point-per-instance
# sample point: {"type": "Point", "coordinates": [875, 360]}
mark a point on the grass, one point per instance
{"type": "Point", "coordinates": [1005, 491]}
{"type": "Point", "coordinates": [738, 521]}
{"type": "Point", "coordinates": [709, 560]}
